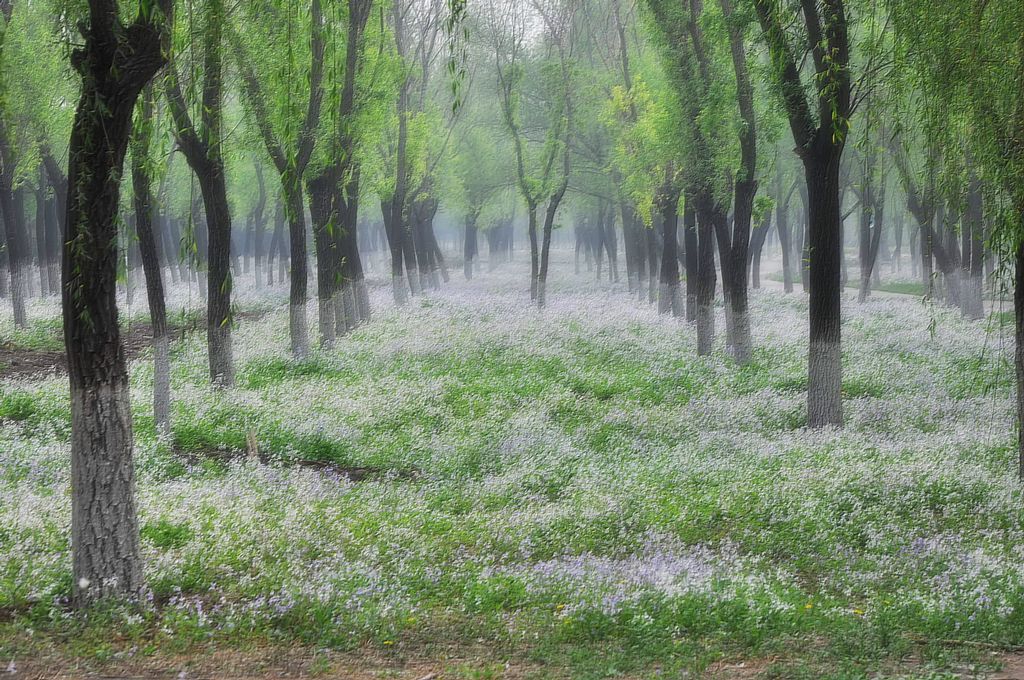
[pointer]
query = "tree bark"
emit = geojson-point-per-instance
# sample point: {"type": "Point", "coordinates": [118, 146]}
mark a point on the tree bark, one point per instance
{"type": "Point", "coordinates": [203, 151]}
{"type": "Point", "coordinates": [705, 288]}
{"type": "Point", "coordinates": [824, 397]}
{"type": "Point", "coordinates": [12, 211]}
{"type": "Point", "coordinates": [115, 63]}
{"type": "Point", "coordinates": [470, 249]}
{"type": "Point", "coordinates": [668, 298]}
{"type": "Point", "coordinates": [144, 212]}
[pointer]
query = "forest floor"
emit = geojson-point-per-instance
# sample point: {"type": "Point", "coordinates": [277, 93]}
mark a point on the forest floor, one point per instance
{"type": "Point", "coordinates": [470, 488]}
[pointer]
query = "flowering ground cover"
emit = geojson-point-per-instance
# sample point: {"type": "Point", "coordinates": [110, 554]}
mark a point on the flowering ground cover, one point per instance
{"type": "Point", "coordinates": [571, 491]}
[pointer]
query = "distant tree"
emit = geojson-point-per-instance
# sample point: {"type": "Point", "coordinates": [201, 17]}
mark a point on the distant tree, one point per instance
{"type": "Point", "coordinates": [290, 146]}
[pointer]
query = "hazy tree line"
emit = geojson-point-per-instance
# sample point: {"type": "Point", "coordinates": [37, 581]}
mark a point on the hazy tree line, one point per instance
{"type": "Point", "coordinates": [673, 143]}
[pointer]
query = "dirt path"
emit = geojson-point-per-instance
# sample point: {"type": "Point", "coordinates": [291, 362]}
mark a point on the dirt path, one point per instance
{"type": "Point", "coordinates": [20, 362]}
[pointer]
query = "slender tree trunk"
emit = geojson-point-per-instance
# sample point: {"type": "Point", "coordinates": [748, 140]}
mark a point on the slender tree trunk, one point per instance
{"type": "Point", "coordinates": [1018, 354]}
{"type": "Point", "coordinates": [973, 253]}
{"type": "Point", "coordinates": [534, 252]}
{"type": "Point", "coordinates": [259, 226]}
{"type": "Point", "coordinates": [668, 299]}
{"type": "Point", "coordinates": [549, 221]}
{"type": "Point", "coordinates": [395, 238]}
{"type": "Point", "coordinates": [927, 271]}
{"type": "Point", "coordinates": [470, 249]}
{"type": "Point", "coordinates": [871, 240]}
{"type": "Point", "coordinates": [705, 276]}
{"type": "Point", "coordinates": [53, 240]}
{"type": "Point", "coordinates": [690, 239]}
{"type": "Point", "coordinates": [785, 243]}
{"type": "Point", "coordinates": [145, 210]}
{"type": "Point", "coordinates": [13, 214]}
{"type": "Point", "coordinates": [41, 254]}
{"type": "Point", "coordinates": [651, 241]}
{"type": "Point", "coordinates": [742, 345]}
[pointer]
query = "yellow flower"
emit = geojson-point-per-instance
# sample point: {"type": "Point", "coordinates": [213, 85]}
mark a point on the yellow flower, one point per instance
{"type": "Point", "coordinates": [809, 605]}
{"type": "Point", "coordinates": [858, 612]}
{"type": "Point", "coordinates": [389, 642]}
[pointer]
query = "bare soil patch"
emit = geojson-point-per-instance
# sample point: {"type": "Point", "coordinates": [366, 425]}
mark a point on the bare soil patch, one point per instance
{"type": "Point", "coordinates": [21, 362]}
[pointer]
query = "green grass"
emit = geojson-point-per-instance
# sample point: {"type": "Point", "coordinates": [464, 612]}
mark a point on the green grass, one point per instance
{"type": "Point", "coordinates": [580, 494]}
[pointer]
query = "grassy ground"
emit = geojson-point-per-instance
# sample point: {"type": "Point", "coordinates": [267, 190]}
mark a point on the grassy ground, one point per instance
{"type": "Point", "coordinates": [568, 493]}
{"type": "Point", "coordinates": [887, 286]}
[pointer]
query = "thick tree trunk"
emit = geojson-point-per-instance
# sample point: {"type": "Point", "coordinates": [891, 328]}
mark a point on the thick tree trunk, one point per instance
{"type": "Point", "coordinates": [824, 384]}
{"type": "Point", "coordinates": [115, 65]}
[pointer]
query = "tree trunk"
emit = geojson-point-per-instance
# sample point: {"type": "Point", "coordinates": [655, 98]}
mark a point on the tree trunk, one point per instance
{"type": "Point", "coordinates": [534, 252]}
{"type": "Point", "coordinates": [824, 384]}
{"type": "Point", "coordinates": [690, 240]}
{"type": "Point", "coordinates": [668, 298]}
{"type": "Point", "coordinates": [13, 213]}
{"type": "Point", "coordinates": [470, 249]}
{"type": "Point", "coordinates": [115, 64]}
{"type": "Point", "coordinates": [41, 254]}
{"type": "Point", "coordinates": [395, 237]}
{"type": "Point", "coordinates": [218, 289]}
{"type": "Point", "coordinates": [705, 292]}
{"type": "Point", "coordinates": [320, 190]}
{"type": "Point", "coordinates": [786, 244]}
{"type": "Point", "coordinates": [1018, 353]}
{"type": "Point", "coordinates": [651, 241]}
{"type": "Point", "coordinates": [144, 205]}
{"type": "Point", "coordinates": [259, 226]}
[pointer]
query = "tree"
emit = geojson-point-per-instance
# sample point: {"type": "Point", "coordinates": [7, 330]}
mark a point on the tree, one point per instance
{"type": "Point", "coordinates": [290, 148]}
{"type": "Point", "coordinates": [949, 46]}
{"type": "Point", "coordinates": [145, 210]}
{"type": "Point", "coordinates": [820, 139]}
{"type": "Point", "coordinates": [115, 62]}
{"type": "Point", "coordinates": [203, 148]}
{"type": "Point", "coordinates": [540, 177]}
